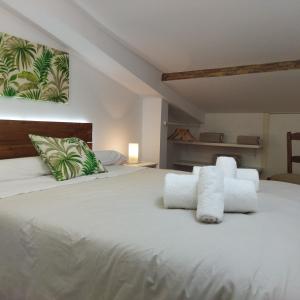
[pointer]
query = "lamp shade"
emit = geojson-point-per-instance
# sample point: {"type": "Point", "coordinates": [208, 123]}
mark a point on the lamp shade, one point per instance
{"type": "Point", "coordinates": [133, 153]}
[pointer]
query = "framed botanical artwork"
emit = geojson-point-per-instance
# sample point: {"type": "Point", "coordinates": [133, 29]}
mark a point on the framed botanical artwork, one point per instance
{"type": "Point", "coordinates": [33, 71]}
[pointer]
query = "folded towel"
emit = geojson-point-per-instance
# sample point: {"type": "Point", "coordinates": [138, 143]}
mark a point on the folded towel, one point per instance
{"type": "Point", "coordinates": [249, 174]}
{"type": "Point", "coordinates": [227, 165]}
{"type": "Point", "coordinates": [180, 191]}
{"type": "Point", "coordinates": [240, 196]}
{"type": "Point", "coordinates": [210, 195]}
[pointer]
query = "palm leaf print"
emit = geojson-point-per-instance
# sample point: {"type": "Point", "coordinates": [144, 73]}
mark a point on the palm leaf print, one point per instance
{"type": "Point", "coordinates": [22, 51]}
{"type": "Point", "coordinates": [90, 165]}
{"type": "Point", "coordinates": [31, 94]}
{"type": "Point", "coordinates": [42, 66]}
{"type": "Point", "coordinates": [68, 157]}
{"type": "Point", "coordinates": [62, 64]}
{"type": "Point", "coordinates": [33, 71]}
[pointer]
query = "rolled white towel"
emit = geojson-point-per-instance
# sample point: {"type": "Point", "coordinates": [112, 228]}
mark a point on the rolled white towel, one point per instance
{"type": "Point", "coordinates": [227, 165]}
{"type": "Point", "coordinates": [196, 170]}
{"type": "Point", "coordinates": [180, 191]}
{"type": "Point", "coordinates": [246, 174]}
{"type": "Point", "coordinates": [210, 195]}
{"type": "Point", "coordinates": [249, 174]}
{"type": "Point", "coordinates": [240, 196]}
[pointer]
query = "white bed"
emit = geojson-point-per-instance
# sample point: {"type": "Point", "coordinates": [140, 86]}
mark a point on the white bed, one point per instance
{"type": "Point", "coordinates": [110, 238]}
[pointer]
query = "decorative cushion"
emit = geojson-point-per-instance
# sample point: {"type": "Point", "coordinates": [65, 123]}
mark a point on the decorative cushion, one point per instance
{"type": "Point", "coordinates": [66, 157]}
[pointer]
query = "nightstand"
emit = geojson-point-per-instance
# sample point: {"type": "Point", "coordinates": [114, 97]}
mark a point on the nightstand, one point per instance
{"type": "Point", "coordinates": [146, 164]}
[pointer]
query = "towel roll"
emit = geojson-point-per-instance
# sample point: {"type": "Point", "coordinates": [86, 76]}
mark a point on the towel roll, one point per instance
{"type": "Point", "coordinates": [240, 196]}
{"type": "Point", "coordinates": [196, 170]}
{"type": "Point", "coordinates": [180, 191]}
{"type": "Point", "coordinates": [249, 174]}
{"type": "Point", "coordinates": [210, 195]}
{"type": "Point", "coordinates": [227, 165]}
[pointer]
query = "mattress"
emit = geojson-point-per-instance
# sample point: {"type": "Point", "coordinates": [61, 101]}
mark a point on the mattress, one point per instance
{"type": "Point", "coordinates": [110, 238]}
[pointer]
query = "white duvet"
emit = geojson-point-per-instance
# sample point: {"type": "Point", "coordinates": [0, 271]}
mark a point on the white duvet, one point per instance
{"type": "Point", "coordinates": [110, 238]}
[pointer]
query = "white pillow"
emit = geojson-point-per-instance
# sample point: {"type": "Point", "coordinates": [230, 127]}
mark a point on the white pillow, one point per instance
{"type": "Point", "coordinates": [22, 168]}
{"type": "Point", "coordinates": [110, 157]}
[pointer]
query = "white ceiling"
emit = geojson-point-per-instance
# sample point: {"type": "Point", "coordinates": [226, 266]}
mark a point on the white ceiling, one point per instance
{"type": "Point", "coordinates": [178, 35]}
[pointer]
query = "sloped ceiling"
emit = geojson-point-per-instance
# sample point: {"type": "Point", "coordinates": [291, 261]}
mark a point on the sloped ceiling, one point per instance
{"type": "Point", "coordinates": [77, 30]}
{"type": "Point", "coordinates": [176, 35]}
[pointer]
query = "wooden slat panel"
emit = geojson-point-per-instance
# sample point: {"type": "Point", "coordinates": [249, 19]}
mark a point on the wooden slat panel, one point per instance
{"type": "Point", "coordinates": [14, 140]}
{"type": "Point", "coordinates": [231, 71]}
{"type": "Point", "coordinates": [296, 159]}
{"type": "Point", "coordinates": [296, 136]}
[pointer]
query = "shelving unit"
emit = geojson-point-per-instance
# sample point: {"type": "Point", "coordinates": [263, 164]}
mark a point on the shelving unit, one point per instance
{"type": "Point", "coordinates": [187, 164]}
{"type": "Point", "coordinates": [223, 145]}
{"type": "Point", "coordinates": [182, 124]}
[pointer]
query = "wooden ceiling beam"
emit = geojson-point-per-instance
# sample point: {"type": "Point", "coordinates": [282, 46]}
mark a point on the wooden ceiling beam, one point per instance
{"type": "Point", "coordinates": [232, 71]}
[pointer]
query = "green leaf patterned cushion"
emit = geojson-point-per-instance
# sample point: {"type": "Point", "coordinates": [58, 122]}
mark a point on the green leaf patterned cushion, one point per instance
{"type": "Point", "coordinates": [67, 157]}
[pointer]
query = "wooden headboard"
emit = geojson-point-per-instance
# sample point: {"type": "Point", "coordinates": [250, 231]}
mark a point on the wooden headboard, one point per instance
{"type": "Point", "coordinates": [14, 140]}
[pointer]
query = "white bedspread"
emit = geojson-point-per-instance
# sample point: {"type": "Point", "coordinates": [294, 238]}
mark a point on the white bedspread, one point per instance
{"type": "Point", "coordinates": [111, 239]}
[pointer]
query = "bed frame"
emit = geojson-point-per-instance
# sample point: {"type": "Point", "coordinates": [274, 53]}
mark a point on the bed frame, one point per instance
{"type": "Point", "coordinates": [14, 140]}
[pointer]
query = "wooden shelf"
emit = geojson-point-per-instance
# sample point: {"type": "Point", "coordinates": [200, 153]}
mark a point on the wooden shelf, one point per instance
{"type": "Point", "coordinates": [189, 163]}
{"type": "Point", "coordinates": [222, 145]}
{"type": "Point", "coordinates": [181, 124]}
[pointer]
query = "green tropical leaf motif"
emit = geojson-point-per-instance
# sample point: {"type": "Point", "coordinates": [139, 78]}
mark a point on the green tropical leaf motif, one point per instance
{"type": "Point", "coordinates": [9, 92]}
{"type": "Point", "coordinates": [59, 80]}
{"type": "Point", "coordinates": [1, 38]}
{"type": "Point", "coordinates": [27, 86]}
{"type": "Point", "coordinates": [28, 76]}
{"type": "Point", "coordinates": [42, 66]}
{"type": "Point", "coordinates": [62, 64]}
{"type": "Point", "coordinates": [68, 157]}
{"type": "Point", "coordinates": [53, 94]}
{"type": "Point", "coordinates": [22, 51]}
{"type": "Point", "coordinates": [31, 94]}
{"type": "Point", "coordinates": [90, 165]}
{"type": "Point", "coordinates": [13, 77]}
{"type": "Point", "coordinates": [7, 65]}
{"type": "Point", "coordinates": [34, 71]}
{"type": "Point", "coordinates": [68, 163]}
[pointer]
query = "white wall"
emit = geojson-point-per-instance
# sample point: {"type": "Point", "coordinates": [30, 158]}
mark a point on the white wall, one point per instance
{"type": "Point", "coordinates": [114, 110]}
{"type": "Point", "coordinates": [151, 129]}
